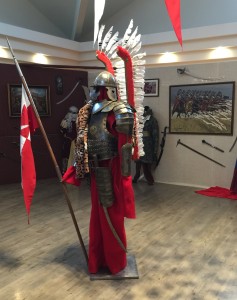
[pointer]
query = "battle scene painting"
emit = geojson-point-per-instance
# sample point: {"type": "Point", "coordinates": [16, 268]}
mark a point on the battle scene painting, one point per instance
{"type": "Point", "coordinates": [40, 95]}
{"type": "Point", "coordinates": [202, 108]}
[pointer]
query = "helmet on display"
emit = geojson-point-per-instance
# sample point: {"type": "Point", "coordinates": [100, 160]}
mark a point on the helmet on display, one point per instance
{"type": "Point", "coordinates": [73, 110]}
{"type": "Point", "coordinates": [147, 110]}
{"type": "Point", "coordinates": [105, 78]}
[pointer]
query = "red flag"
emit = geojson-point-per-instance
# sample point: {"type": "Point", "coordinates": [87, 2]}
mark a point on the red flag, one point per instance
{"type": "Point", "coordinates": [28, 176]}
{"type": "Point", "coordinates": [70, 177]}
{"type": "Point", "coordinates": [173, 8]}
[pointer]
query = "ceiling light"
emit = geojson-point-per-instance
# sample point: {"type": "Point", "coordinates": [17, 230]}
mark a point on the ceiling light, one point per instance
{"type": "Point", "coordinates": [40, 58]}
{"type": "Point", "coordinates": [220, 52]}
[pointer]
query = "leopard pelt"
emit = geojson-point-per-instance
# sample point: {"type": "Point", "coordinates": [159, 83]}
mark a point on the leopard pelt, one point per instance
{"type": "Point", "coordinates": [81, 152]}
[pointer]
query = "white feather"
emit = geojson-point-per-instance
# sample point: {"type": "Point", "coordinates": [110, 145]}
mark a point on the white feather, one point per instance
{"type": "Point", "coordinates": [139, 62]}
{"type": "Point", "coordinates": [106, 38]}
{"type": "Point", "coordinates": [100, 36]}
{"type": "Point", "coordinates": [137, 48]}
{"type": "Point", "coordinates": [112, 41]}
{"type": "Point", "coordinates": [139, 56]}
{"type": "Point", "coordinates": [114, 55]}
{"type": "Point", "coordinates": [119, 64]}
{"type": "Point", "coordinates": [132, 37]}
{"type": "Point", "coordinates": [136, 41]}
{"type": "Point", "coordinates": [113, 52]}
{"type": "Point", "coordinates": [127, 32]}
{"type": "Point", "coordinates": [98, 12]}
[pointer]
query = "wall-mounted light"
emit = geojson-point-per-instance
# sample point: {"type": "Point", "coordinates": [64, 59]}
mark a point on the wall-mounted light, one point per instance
{"type": "Point", "coordinates": [40, 58]}
{"type": "Point", "coordinates": [168, 57]}
{"type": "Point", "coordinates": [220, 52]}
{"type": "Point", "coordinates": [3, 52]}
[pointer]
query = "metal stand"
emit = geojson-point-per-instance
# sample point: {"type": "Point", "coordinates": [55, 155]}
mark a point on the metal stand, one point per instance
{"type": "Point", "coordinates": [130, 272]}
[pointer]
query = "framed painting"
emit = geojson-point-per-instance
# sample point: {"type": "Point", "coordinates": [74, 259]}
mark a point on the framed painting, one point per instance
{"type": "Point", "coordinates": [202, 108]}
{"type": "Point", "coordinates": [40, 95]}
{"type": "Point", "coordinates": [151, 88]}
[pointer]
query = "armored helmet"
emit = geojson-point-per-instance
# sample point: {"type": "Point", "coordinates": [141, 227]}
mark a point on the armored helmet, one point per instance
{"type": "Point", "coordinates": [105, 78]}
{"type": "Point", "coordinates": [147, 110]}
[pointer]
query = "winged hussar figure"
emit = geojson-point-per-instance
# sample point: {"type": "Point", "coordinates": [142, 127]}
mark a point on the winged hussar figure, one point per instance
{"type": "Point", "coordinates": [109, 135]}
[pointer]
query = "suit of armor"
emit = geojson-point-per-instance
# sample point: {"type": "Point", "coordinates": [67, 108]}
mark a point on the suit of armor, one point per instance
{"type": "Point", "coordinates": [68, 130]}
{"type": "Point", "coordinates": [150, 141]}
{"type": "Point", "coordinates": [110, 126]}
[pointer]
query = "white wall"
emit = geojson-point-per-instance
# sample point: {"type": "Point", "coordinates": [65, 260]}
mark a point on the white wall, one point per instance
{"type": "Point", "coordinates": [178, 164]}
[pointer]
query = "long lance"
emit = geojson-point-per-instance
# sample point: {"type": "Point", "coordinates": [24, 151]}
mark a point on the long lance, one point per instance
{"type": "Point", "coordinates": [203, 155]}
{"type": "Point", "coordinates": [57, 169]}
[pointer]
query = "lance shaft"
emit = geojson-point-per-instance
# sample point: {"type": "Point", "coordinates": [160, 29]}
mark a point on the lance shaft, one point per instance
{"type": "Point", "coordinates": [205, 142]}
{"type": "Point", "coordinates": [179, 142]}
{"type": "Point", "coordinates": [57, 169]}
{"type": "Point", "coordinates": [233, 144]}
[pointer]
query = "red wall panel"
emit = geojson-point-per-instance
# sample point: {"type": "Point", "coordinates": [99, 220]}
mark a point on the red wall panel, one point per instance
{"type": "Point", "coordinates": [10, 126]}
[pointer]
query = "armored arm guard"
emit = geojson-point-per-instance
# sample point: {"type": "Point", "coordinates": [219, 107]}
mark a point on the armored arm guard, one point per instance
{"type": "Point", "coordinates": [126, 153]}
{"type": "Point", "coordinates": [124, 116]}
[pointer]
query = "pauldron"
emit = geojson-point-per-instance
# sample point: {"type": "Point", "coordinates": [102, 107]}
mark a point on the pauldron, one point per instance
{"type": "Point", "coordinates": [124, 114]}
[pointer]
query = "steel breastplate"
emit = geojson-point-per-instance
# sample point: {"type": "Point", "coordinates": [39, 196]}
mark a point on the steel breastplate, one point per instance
{"type": "Point", "coordinates": [100, 141]}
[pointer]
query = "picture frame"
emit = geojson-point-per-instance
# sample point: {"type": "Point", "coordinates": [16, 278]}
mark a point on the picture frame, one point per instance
{"type": "Point", "coordinates": [151, 88]}
{"type": "Point", "coordinates": [206, 108]}
{"type": "Point", "coordinates": [40, 95]}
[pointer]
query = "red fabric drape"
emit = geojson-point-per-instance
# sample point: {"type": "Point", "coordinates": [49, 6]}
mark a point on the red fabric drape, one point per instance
{"type": "Point", "coordinates": [219, 192]}
{"type": "Point", "coordinates": [173, 8]}
{"type": "Point", "coordinates": [70, 176]}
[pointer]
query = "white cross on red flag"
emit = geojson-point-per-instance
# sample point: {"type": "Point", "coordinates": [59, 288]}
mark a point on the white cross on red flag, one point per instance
{"type": "Point", "coordinates": [173, 8]}
{"type": "Point", "coordinates": [28, 175]}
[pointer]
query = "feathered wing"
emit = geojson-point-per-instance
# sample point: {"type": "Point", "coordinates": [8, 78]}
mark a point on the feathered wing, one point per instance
{"type": "Point", "coordinates": [105, 45]}
{"type": "Point", "coordinates": [123, 59]}
{"type": "Point", "coordinates": [106, 38]}
{"type": "Point", "coordinates": [112, 41]}
{"type": "Point", "coordinates": [127, 33]}
{"type": "Point", "coordinates": [130, 73]}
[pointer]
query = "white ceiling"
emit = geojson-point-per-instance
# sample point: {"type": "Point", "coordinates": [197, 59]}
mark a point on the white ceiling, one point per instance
{"type": "Point", "coordinates": [70, 19]}
{"type": "Point", "coordinates": [74, 19]}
